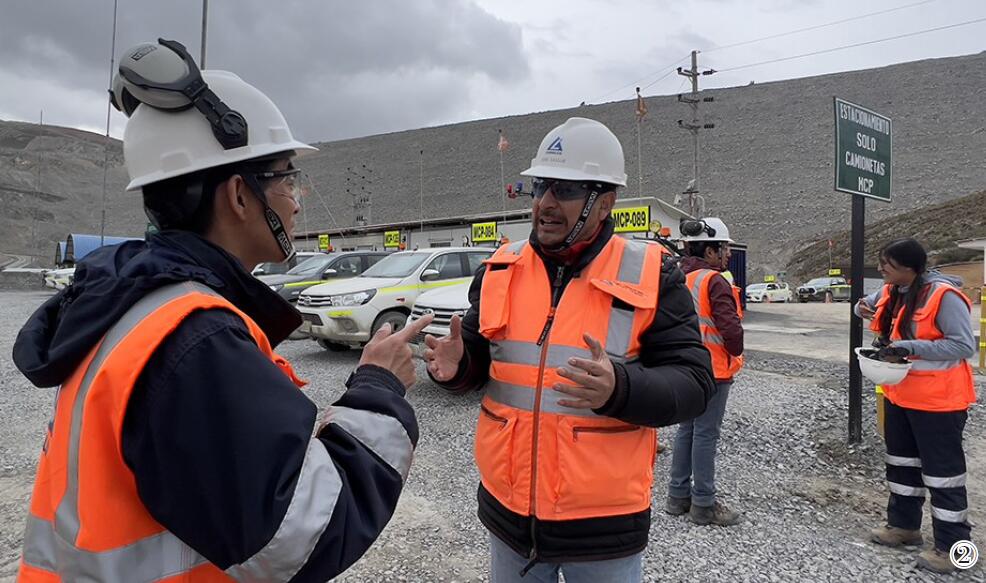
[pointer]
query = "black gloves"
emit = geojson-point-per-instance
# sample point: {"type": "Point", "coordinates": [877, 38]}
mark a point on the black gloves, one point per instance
{"type": "Point", "coordinates": [892, 353]}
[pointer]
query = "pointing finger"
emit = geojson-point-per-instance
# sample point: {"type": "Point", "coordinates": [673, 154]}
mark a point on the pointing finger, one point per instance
{"type": "Point", "coordinates": [414, 328]}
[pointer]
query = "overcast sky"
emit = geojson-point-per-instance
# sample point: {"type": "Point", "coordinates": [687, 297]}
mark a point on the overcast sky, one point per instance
{"type": "Point", "coordinates": [346, 69]}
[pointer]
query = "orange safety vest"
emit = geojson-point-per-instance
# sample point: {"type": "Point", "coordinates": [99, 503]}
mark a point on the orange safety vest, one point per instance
{"type": "Point", "coordinates": [86, 519]}
{"type": "Point", "coordinates": [724, 365]}
{"type": "Point", "coordinates": [536, 457]}
{"type": "Point", "coordinates": [928, 387]}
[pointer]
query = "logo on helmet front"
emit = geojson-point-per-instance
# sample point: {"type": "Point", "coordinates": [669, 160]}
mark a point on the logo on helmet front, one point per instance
{"type": "Point", "coordinates": [555, 146]}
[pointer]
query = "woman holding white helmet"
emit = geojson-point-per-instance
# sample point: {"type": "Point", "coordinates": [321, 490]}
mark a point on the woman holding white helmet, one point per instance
{"type": "Point", "coordinates": [181, 445]}
{"type": "Point", "coordinates": [922, 316]}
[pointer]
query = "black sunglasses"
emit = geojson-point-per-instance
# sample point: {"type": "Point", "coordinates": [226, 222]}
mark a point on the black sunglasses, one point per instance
{"type": "Point", "coordinates": [567, 190]}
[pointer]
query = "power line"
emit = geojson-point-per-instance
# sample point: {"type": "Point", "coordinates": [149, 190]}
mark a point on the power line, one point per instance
{"type": "Point", "coordinates": [854, 45]}
{"type": "Point", "coordinates": [311, 183]}
{"type": "Point", "coordinates": [669, 67]}
{"type": "Point", "coordinates": [816, 27]}
{"type": "Point", "coordinates": [756, 40]}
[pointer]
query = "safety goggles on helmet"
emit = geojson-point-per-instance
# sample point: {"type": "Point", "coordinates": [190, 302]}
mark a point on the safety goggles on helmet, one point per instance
{"type": "Point", "coordinates": [140, 83]}
{"type": "Point", "coordinates": [567, 190]}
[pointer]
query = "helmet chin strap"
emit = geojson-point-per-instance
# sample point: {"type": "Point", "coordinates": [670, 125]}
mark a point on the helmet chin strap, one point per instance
{"type": "Point", "coordinates": [573, 235]}
{"type": "Point", "coordinates": [274, 222]}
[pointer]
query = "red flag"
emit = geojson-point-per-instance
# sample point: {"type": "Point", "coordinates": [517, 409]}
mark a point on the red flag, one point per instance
{"type": "Point", "coordinates": [502, 144]}
{"type": "Point", "coordinates": [641, 106]}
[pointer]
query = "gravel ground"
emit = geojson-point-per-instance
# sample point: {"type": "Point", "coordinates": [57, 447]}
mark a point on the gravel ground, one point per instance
{"type": "Point", "coordinates": [808, 498]}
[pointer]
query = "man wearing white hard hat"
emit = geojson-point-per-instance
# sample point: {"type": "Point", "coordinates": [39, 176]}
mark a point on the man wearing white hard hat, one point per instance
{"type": "Point", "coordinates": [585, 342]}
{"type": "Point", "coordinates": [181, 446]}
{"type": "Point", "coordinates": [692, 488]}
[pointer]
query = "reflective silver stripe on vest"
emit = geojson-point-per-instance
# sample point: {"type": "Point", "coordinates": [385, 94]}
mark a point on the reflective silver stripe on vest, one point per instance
{"type": "Point", "coordinates": [529, 353]}
{"type": "Point", "coordinates": [618, 335]}
{"type": "Point", "coordinates": [381, 434]}
{"type": "Point", "coordinates": [707, 326]}
{"type": "Point", "coordinates": [696, 288]}
{"type": "Point", "coordinates": [67, 513]}
{"type": "Point", "coordinates": [950, 482]}
{"type": "Point", "coordinates": [307, 516]}
{"type": "Point", "coordinates": [904, 462]}
{"type": "Point", "coordinates": [949, 515]}
{"type": "Point", "coordinates": [521, 397]}
{"type": "Point", "coordinates": [149, 559]}
{"type": "Point", "coordinates": [902, 490]}
{"type": "Point", "coordinates": [52, 546]}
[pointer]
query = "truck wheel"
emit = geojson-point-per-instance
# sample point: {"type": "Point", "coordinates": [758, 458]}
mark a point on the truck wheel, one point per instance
{"type": "Point", "coordinates": [397, 320]}
{"type": "Point", "coordinates": [333, 346]}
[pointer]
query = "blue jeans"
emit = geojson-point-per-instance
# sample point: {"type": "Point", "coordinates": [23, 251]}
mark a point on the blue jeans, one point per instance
{"type": "Point", "coordinates": [693, 465]}
{"type": "Point", "coordinates": [506, 565]}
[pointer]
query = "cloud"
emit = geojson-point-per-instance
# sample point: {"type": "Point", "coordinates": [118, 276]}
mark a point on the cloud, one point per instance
{"type": "Point", "coordinates": [336, 69]}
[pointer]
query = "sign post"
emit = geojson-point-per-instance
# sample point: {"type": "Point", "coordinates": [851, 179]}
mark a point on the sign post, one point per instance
{"type": "Point", "coordinates": [863, 145]}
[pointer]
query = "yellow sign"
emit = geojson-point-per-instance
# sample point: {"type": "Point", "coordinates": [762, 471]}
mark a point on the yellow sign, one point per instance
{"type": "Point", "coordinates": [769, 278]}
{"type": "Point", "coordinates": [834, 272]}
{"type": "Point", "coordinates": [632, 220]}
{"type": "Point", "coordinates": [391, 238]}
{"type": "Point", "coordinates": [483, 232]}
{"type": "Point", "coordinates": [323, 242]}
{"type": "Point", "coordinates": [655, 226]}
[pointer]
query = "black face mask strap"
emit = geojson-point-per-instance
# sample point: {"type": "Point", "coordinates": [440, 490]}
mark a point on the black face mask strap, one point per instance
{"type": "Point", "coordinates": [274, 222]}
{"type": "Point", "coordinates": [573, 235]}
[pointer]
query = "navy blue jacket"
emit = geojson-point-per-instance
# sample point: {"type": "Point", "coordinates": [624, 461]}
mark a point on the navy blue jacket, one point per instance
{"type": "Point", "coordinates": [214, 432]}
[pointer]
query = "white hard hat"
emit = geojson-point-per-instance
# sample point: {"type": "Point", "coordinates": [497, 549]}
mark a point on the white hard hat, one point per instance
{"type": "Point", "coordinates": [158, 144]}
{"type": "Point", "coordinates": [880, 372]}
{"type": "Point", "coordinates": [713, 229]}
{"type": "Point", "coordinates": [580, 149]}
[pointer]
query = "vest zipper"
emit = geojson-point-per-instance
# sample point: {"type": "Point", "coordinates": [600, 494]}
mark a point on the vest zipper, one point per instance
{"type": "Point", "coordinates": [556, 288]}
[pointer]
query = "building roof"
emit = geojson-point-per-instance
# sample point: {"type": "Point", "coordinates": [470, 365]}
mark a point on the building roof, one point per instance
{"type": "Point", "coordinates": [78, 246]}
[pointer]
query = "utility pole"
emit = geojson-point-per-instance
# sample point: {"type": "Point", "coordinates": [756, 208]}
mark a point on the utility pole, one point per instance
{"type": "Point", "coordinates": [356, 187]}
{"type": "Point", "coordinates": [205, 27]}
{"type": "Point", "coordinates": [421, 191]}
{"type": "Point", "coordinates": [106, 142]}
{"type": "Point", "coordinates": [693, 100]}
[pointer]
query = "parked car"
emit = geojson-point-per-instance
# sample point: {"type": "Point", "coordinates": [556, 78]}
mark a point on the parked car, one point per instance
{"type": "Point", "coordinates": [825, 289]}
{"type": "Point", "coordinates": [59, 278]}
{"type": "Point", "coordinates": [769, 292]}
{"type": "Point", "coordinates": [318, 268]}
{"type": "Point", "coordinates": [443, 303]}
{"type": "Point", "coordinates": [282, 267]}
{"type": "Point", "coordinates": [346, 314]}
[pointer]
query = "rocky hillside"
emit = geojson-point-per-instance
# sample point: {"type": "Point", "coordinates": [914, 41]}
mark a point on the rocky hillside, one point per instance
{"type": "Point", "coordinates": [766, 167]}
{"type": "Point", "coordinates": [51, 184]}
{"type": "Point", "coordinates": [937, 226]}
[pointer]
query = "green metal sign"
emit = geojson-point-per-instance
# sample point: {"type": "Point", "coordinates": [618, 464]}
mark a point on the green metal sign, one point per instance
{"type": "Point", "coordinates": [863, 143]}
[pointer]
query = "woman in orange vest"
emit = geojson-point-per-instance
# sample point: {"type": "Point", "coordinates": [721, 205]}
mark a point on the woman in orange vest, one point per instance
{"type": "Point", "coordinates": [691, 488]}
{"type": "Point", "coordinates": [181, 448]}
{"type": "Point", "coordinates": [924, 317]}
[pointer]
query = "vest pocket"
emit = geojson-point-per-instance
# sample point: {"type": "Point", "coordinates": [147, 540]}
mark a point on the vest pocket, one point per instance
{"type": "Point", "coordinates": [604, 468]}
{"type": "Point", "coordinates": [494, 452]}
